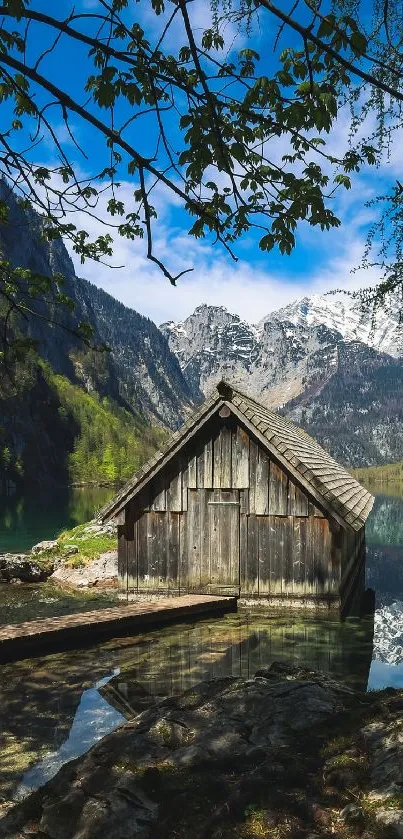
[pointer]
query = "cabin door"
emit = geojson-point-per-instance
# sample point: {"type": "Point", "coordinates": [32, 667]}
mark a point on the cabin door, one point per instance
{"type": "Point", "coordinates": [223, 527]}
{"type": "Point", "coordinates": [212, 541]}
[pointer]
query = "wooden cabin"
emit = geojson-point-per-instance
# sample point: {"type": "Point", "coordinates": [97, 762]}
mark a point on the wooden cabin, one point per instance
{"type": "Point", "coordinates": [241, 501]}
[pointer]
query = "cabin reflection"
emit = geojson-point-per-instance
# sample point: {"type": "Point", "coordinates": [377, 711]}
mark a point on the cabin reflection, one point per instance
{"type": "Point", "coordinates": [171, 665]}
{"type": "Point", "coordinates": [43, 699]}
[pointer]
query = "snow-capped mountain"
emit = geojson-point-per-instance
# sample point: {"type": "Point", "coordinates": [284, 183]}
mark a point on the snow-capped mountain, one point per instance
{"type": "Point", "coordinates": [388, 633]}
{"type": "Point", "coordinates": [343, 314]}
{"type": "Point", "coordinates": [275, 360]}
{"type": "Point", "coordinates": [281, 356]}
{"type": "Point", "coordinates": [320, 359]}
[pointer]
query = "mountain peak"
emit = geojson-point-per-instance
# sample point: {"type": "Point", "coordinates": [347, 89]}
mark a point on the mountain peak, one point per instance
{"type": "Point", "coordinates": [344, 314]}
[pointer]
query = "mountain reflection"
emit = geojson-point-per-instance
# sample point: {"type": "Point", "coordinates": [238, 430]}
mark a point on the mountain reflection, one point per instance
{"type": "Point", "coordinates": [384, 536]}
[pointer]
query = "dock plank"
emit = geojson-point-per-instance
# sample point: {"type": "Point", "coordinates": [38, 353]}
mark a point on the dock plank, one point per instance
{"type": "Point", "coordinates": [49, 634]}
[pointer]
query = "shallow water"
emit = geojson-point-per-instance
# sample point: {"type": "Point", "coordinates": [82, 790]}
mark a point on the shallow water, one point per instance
{"type": "Point", "coordinates": [54, 708]}
{"type": "Point", "coordinates": [30, 601]}
{"type": "Point", "coordinates": [83, 695]}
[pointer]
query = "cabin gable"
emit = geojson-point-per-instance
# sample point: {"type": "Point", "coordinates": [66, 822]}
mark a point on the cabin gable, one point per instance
{"type": "Point", "coordinates": [225, 516]}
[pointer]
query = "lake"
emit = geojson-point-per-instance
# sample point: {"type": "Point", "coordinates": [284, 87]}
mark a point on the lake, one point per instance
{"type": "Point", "coordinates": [26, 520]}
{"type": "Point", "coordinates": [54, 708]}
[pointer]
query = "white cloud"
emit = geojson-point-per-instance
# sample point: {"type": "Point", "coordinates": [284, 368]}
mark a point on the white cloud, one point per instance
{"type": "Point", "coordinates": [249, 290]}
{"type": "Point", "coordinates": [200, 15]}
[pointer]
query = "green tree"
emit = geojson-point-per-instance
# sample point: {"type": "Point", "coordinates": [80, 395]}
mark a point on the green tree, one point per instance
{"type": "Point", "coordinates": [6, 457]}
{"type": "Point", "coordinates": [175, 107]}
{"type": "Point", "coordinates": [108, 465]}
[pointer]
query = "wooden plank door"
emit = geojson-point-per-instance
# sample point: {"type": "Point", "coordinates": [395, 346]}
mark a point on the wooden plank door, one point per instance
{"type": "Point", "coordinates": [223, 527]}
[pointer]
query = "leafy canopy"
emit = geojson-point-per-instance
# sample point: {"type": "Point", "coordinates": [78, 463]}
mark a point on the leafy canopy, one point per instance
{"type": "Point", "coordinates": [236, 136]}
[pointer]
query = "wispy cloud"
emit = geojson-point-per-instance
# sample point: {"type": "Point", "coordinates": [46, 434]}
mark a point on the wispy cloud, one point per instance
{"type": "Point", "coordinates": [246, 288]}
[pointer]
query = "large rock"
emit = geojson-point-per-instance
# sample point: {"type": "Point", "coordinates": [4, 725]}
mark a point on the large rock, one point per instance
{"type": "Point", "coordinates": [46, 545]}
{"type": "Point", "coordinates": [102, 572]}
{"type": "Point", "coordinates": [214, 734]}
{"type": "Point", "coordinates": [384, 738]}
{"type": "Point", "coordinates": [97, 528]}
{"type": "Point", "coordinates": [22, 568]}
{"type": "Point", "coordinates": [289, 753]}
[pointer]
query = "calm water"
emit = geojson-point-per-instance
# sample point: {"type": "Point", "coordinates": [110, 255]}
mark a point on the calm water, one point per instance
{"type": "Point", "coordinates": [24, 521]}
{"type": "Point", "coordinates": [54, 708]}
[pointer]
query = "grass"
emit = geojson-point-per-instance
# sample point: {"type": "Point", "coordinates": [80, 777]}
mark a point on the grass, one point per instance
{"type": "Point", "coordinates": [90, 546]}
{"type": "Point", "coordinates": [256, 824]}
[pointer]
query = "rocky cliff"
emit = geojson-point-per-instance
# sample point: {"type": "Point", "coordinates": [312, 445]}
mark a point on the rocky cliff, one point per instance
{"type": "Point", "coordinates": [140, 371]}
{"type": "Point", "coordinates": [306, 359]}
{"type": "Point", "coordinates": [46, 418]}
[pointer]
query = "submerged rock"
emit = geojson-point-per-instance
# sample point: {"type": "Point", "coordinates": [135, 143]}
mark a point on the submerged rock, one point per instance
{"type": "Point", "coordinates": [22, 568]}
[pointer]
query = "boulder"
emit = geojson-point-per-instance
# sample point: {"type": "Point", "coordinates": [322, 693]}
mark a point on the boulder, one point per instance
{"type": "Point", "coordinates": [101, 572]}
{"type": "Point", "coordinates": [96, 528]}
{"type": "Point", "coordinates": [46, 545]}
{"type": "Point", "coordinates": [232, 756]}
{"type": "Point", "coordinates": [22, 568]}
{"type": "Point", "coordinates": [180, 753]}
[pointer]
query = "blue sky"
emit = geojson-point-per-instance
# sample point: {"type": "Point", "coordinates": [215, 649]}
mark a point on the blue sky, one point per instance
{"type": "Point", "coordinates": [258, 282]}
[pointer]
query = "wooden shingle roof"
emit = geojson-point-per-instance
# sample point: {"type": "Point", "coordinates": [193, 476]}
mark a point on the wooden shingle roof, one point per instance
{"type": "Point", "coordinates": [294, 448]}
{"type": "Point", "coordinates": [316, 467]}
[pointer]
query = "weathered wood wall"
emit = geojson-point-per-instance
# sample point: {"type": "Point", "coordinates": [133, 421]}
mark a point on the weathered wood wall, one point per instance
{"type": "Point", "coordinates": [226, 515]}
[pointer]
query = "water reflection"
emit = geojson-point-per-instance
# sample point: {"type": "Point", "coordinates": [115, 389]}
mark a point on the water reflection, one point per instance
{"type": "Point", "coordinates": [29, 601]}
{"type": "Point", "coordinates": [383, 675]}
{"type": "Point", "coordinates": [94, 718]}
{"type": "Point", "coordinates": [29, 519]}
{"type": "Point", "coordinates": [384, 535]}
{"type": "Point", "coordinates": [54, 708]}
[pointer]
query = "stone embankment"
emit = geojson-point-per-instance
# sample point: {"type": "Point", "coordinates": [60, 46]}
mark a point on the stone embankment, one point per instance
{"type": "Point", "coordinates": [289, 754]}
{"type": "Point", "coordinates": [61, 561]}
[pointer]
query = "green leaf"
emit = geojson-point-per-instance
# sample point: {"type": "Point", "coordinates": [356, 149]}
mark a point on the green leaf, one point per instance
{"type": "Point", "coordinates": [326, 26]}
{"type": "Point", "coordinates": [16, 7]}
{"type": "Point", "coordinates": [359, 43]}
{"type": "Point", "coordinates": [267, 242]}
{"type": "Point", "coordinates": [344, 180]}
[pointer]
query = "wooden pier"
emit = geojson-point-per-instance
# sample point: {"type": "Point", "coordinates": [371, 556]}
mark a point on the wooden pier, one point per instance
{"type": "Point", "coordinates": [53, 634]}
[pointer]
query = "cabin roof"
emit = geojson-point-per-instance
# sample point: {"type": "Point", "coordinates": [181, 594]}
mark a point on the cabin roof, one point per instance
{"type": "Point", "coordinates": [299, 453]}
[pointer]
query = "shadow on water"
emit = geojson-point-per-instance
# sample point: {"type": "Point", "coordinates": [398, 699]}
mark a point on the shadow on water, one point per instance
{"type": "Point", "coordinates": [82, 696]}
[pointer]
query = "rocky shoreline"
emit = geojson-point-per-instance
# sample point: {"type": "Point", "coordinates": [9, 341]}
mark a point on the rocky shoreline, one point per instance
{"type": "Point", "coordinates": [55, 560]}
{"type": "Point", "coordinates": [289, 754]}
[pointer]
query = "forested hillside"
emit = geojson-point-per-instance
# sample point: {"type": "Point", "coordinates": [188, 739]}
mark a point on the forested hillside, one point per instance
{"type": "Point", "coordinates": [389, 476]}
{"type": "Point", "coordinates": [69, 413]}
{"type": "Point", "coordinates": [357, 414]}
{"type": "Point", "coordinates": [53, 431]}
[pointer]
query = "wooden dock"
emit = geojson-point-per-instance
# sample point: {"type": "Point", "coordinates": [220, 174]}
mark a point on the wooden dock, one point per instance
{"type": "Point", "coordinates": [53, 634]}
